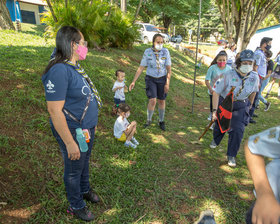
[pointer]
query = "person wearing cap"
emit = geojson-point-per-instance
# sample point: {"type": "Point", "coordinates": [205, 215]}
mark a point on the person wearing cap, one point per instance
{"type": "Point", "coordinates": [261, 64]}
{"type": "Point", "coordinates": [158, 62]}
{"type": "Point", "coordinates": [245, 81]}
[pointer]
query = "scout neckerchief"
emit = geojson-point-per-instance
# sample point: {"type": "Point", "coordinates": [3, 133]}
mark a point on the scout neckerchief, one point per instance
{"type": "Point", "coordinates": [243, 82]}
{"type": "Point", "coordinates": [157, 58]}
{"type": "Point", "coordinates": [81, 71]}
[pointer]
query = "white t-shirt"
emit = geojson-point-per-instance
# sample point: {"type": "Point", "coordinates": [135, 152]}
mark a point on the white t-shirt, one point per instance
{"type": "Point", "coordinates": [120, 126]}
{"type": "Point", "coordinates": [119, 94]}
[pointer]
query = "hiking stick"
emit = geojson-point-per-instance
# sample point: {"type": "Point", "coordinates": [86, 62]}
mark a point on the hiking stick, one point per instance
{"type": "Point", "coordinates": [206, 129]}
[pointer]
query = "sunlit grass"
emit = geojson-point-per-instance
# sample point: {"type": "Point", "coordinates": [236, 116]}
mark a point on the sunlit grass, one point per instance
{"type": "Point", "coordinates": [171, 176]}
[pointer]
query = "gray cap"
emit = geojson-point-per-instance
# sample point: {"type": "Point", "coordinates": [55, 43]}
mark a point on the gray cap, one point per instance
{"type": "Point", "coordinates": [247, 55]}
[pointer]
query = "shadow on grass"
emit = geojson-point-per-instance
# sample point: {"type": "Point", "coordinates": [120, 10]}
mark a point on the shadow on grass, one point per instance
{"type": "Point", "coordinates": [166, 179]}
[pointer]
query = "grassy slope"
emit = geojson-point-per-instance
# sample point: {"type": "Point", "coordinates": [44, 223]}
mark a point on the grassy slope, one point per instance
{"type": "Point", "coordinates": [170, 178]}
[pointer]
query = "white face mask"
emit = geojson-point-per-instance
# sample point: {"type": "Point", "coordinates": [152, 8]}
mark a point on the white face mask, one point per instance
{"type": "Point", "coordinates": [127, 114]}
{"type": "Point", "coordinates": [246, 68]}
{"type": "Point", "coordinates": [159, 47]}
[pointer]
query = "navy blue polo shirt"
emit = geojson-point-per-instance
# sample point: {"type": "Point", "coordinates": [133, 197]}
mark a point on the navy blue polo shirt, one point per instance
{"type": "Point", "coordinates": [63, 82]}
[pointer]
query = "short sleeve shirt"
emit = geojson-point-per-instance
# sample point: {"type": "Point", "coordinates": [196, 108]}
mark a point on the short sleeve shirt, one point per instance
{"type": "Point", "coordinates": [214, 72]}
{"type": "Point", "coordinates": [230, 79]}
{"type": "Point", "coordinates": [156, 62]}
{"type": "Point", "coordinates": [119, 93]}
{"type": "Point", "coordinates": [266, 143]}
{"type": "Point", "coordinates": [120, 126]}
{"type": "Point", "coordinates": [261, 62]}
{"type": "Point", "coordinates": [63, 82]}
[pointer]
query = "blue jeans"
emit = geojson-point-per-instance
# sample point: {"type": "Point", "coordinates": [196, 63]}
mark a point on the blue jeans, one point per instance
{"type": "Point", "coordinates": [76, 172]}
{"type": "Point", "coordinates": [260, 97]}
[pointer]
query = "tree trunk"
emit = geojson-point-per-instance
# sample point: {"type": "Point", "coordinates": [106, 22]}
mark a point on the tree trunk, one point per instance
{"type": "Point", "coordinates": [5, 18]}
{"type": "Point", "coordinates": [244, 18]}
{"type": "Point", "coordinates": [66, 3]}
{"type": "Point", "coordinates": [166, 21]}
{"type": "Point", "coordinates": [123, 6]}
{"type": "Point", "coordinates": [138, 10]}
{"type": "Point", "coordinates": [51, 9]}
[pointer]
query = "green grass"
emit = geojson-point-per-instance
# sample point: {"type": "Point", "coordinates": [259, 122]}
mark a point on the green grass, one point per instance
{"type": "Point", "coordinates": [169, 178]}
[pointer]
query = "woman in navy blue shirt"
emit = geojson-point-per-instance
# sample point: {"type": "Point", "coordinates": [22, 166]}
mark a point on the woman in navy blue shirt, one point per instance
{"type": "Point", "coordinates": [69, 91]}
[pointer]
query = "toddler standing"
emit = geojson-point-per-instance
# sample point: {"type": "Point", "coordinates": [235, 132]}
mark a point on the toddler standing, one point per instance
{"type": "Point", "coordinates": [119, 88]}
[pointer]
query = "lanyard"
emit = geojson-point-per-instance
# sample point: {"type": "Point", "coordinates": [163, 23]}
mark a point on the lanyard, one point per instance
{"type": "Point", "coordinates": [83, 115]}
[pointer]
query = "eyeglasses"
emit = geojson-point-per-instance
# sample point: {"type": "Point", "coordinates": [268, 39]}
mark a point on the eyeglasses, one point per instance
{"type": "Point", "coordinates": [84, 43]}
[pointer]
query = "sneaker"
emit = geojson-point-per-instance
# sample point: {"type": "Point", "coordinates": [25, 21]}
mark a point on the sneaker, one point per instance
{"type": "Point", "coordinates": [266, 96]}
{"type": "Point", "coordinates": [267, 106]}
{"type": "Point", "coordinates": [254, 115]}
{"type": "Point", "coordinates": [83, 213]}
{"type": "Point", "coordinates": [206, 217]}
{"type": "Point", "coordinates": [258, 107]}
{"type": "Point", "coordinates": [130, 144]}
{"type": "Point", "coordinates": [91, 196]}
{"type": "Point", "coordinates": [231, 161]}
{"type": "Point", "coordinates": [135, 141]}
{"type": "Point", "coordinates": [209, 117]}
{"type": "Point", "coordinates": [213, 145]}
{"type": "Point", "coordinates": [162, 125]}
{"type": "Point", "coordinates": [147, 124]}
{"type": "Point", "coordinates": [252, 121]}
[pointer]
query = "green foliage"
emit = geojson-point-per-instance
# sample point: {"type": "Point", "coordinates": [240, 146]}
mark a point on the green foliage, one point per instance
{"type": "Point", "coordinates": [168, 11]}
{"type": "Point", "coordinates": [210, 22]}
{"type": "Point", "coordinates": [101, 24]}
{"type": "Point", "coordinates": [270, 20]}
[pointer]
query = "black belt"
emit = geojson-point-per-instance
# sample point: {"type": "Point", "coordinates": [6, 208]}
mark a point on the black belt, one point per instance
{"type": "Point", "coordinates": [243, 101]}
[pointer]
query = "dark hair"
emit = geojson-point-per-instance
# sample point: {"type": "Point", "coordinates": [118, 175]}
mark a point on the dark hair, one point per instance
{"type": "Point", "coordinates": [123, 108]}
{"type": "Point", "coordinates": [268, 54]}
{"type": "Point", "coordinates": [155, 37]}
{"type": "Point", "coordinates": [265, 40]}
{"type": "Point", "coordinates": [65, 36]}
{"type": "Point", "coordinates": [221, 53]}
{"type": "Point", "coordinates": [238, 62]}
{"type": "Point", "coordinates": [232, 45]}
{"type": "Point", "coordinates": [119, 71]}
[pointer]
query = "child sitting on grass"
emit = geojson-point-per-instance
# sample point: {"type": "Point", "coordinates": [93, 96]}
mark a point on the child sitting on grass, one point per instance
{"type": "Point", "coordinates": [123, 130]}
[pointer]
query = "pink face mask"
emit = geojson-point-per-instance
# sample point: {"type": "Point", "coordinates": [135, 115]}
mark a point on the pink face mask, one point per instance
{"type": "Point", "coordinates": [82, 52]}
{"type": "Point", "coordinates": [221, 64]}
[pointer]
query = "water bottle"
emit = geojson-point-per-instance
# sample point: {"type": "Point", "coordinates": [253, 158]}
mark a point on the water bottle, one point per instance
{"type": "Point", "coordinates": [81, 140]}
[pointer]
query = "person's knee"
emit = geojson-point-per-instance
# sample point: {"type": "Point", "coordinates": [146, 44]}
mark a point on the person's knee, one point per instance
{"type": "Point", "coordinates": [152, 101]}
{"type": "Point", "coordinates": [161, 102]}
{"type": "Point", "coordinates": [134, 123]}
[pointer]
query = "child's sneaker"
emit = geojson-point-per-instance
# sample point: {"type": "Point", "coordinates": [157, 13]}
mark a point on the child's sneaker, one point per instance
{"type": "Point", "coordinates": [83, 213]}
{"type": "Point", "coordinates": [135, 141]}
{"type": "Point", "coordinates": [130, 144]}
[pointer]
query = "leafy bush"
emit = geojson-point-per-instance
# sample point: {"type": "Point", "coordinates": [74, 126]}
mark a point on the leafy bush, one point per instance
{"type": "Point", "coordinates": [102, 24]}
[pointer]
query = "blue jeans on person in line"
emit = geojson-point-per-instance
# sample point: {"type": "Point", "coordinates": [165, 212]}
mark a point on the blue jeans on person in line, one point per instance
{"type": "Point", "coordinates": [76, 172]}
{"type": "Point", "coordinates": [264, 83]}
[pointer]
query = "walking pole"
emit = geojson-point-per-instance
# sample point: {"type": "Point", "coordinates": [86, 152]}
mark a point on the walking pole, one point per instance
{"type": "Point", "coordinates": [198, 36]}
{"type": "Point", "coordinates": [206, 129]}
